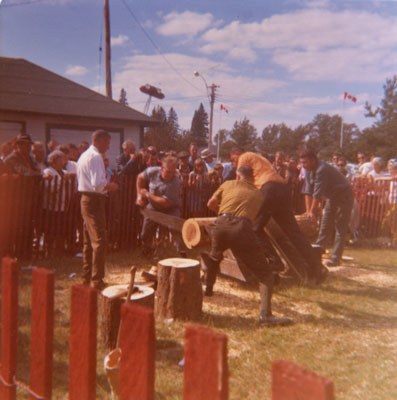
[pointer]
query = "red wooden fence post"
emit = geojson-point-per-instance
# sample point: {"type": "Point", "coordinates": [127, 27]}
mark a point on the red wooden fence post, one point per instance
{"type": "Point", "coordinates": [290, 381]}
{"type": "Point", "coordinates": [83, 342]}
{"type": "Point", "coordinates": [138, 348]}
{"type": "Point", "coordinates": [9, 327]}
{"type": "Point", "coordinates": [42, 336]}
{"type": "Point", "coordinates": [206, 373]}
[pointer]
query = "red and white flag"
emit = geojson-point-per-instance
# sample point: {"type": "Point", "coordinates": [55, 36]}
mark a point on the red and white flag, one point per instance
{"type": "Point", "coordinates": [224, 109]}
{"type": "Point", "coordinates": [350, 97]}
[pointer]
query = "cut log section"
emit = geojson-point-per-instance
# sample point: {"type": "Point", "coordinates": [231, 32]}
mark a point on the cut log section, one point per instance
{"type": "Point", "coordinates": [309, 228]}
{"type": "Point", "coordinates": [194, 232]}
{"type": "Point", "coordinates": [112, 299]}
{"type": "Point", "coordinates": [179, 292]}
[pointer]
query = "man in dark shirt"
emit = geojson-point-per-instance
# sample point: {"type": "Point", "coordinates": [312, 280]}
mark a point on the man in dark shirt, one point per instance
{"type": "Point", "coordinates": [237, 204]}
{"type": "Point", "coordinates": [127, 157]}
{"type": "Point", "coordinates": [20, 161]}
{"type": "Point", "coordinates": [323, 180]}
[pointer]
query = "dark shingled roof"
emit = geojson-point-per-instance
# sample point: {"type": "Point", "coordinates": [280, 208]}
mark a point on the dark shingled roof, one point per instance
{"type": "Point", "coordinates": [26, 87]}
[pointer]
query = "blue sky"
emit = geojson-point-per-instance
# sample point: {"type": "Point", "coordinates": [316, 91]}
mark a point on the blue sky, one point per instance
{"type": "Point", "coordinates": [274, 61]}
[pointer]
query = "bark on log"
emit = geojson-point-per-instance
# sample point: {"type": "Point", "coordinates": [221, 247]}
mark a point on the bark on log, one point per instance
{"type": "Point", "coordinates": [111, 304]}
{"type": "Point", "coordinates": [179, 292]}
{"type": "Point", "coordinates": [309, 228]}
{"type": "Point", "coordinates": [194, 233]}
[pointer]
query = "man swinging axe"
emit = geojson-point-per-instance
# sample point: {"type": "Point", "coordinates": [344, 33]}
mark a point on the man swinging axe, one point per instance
{"type": "Point", "coordinates": [237, 204]}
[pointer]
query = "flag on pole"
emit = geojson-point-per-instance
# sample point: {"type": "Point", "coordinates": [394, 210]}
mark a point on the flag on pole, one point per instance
{"type": "Point", "coordinates": [224, 109]}
{"type": "Point", "coordinates": [350, 97]}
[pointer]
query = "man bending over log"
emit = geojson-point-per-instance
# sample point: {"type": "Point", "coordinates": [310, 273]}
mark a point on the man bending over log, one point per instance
{"type": "Point", "coordinates": [277, 204]}
{"type": "Point", "coordinates": [237, 204]}
{"type": "Point", "coordinates": [158, 188]}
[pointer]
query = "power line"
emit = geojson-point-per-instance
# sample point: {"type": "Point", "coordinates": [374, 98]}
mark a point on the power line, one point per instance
{"type": "Point", "coordinates": [157, 48]}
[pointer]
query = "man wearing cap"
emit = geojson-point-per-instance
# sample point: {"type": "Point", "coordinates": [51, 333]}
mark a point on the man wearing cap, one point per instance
{"type": "Point", "coordinates": [93, 186]}
{"type": "Point", "coordinates": [127, 157]}
{"type": "Point", "coordinates": [20, 161]}
{"type": "Point", "coordinates": [208, 157]}
{"type": "Point", "coordinates": [237, 204]}
{"type": "Point", "coordinates": [184, 168]}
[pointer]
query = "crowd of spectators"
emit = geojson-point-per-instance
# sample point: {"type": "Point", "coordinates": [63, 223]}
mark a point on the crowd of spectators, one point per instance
{"type": "Point", "coordinates": [196, 169]}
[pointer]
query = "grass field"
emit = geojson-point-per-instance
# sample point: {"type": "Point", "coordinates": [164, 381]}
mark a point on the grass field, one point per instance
{"type": "Point", "coordinates": [345, 329]}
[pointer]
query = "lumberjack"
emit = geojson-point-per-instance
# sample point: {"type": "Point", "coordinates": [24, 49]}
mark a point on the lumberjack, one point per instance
{"type": "Point", "coordinates": [237, 204]}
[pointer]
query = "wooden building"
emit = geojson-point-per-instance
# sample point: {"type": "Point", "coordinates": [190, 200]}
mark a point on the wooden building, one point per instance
{"type": "Point", "coordinates": [48, 106]}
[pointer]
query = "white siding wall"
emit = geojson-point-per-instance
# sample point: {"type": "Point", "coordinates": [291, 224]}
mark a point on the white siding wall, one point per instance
{"type": "Point", "coordinates": [63, 136]}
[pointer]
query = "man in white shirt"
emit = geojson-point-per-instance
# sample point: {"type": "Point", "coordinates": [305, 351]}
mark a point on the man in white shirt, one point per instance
{"type": "Point", "coordinates": [93, 186]}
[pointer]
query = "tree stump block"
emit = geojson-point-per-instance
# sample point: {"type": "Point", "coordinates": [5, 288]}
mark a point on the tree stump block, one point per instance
{"type": "Point", "coordinates": [179, 292]}
{"type": "Point", "coordinates": [112, 299]}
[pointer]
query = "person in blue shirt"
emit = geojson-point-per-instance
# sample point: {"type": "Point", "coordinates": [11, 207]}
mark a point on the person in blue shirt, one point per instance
{"type": "Point", "coordinates": [324, 180]}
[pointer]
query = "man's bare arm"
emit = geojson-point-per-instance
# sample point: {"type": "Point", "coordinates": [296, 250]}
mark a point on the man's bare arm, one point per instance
{"type": "Point", "coordinates": [213, 204]}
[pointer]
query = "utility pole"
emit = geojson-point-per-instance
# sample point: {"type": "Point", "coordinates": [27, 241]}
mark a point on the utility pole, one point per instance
{"type": "Point", "coordinates": [213, 88]}
{"type": "Point", "coordinates": [107, 51]}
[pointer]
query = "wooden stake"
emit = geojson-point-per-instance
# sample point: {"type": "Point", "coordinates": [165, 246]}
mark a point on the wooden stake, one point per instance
{"type": "Point", "coordinates": [42, 342]}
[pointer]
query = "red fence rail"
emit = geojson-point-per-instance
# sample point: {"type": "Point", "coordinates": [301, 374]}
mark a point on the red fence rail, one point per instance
{"type": "Point", "coordinates": [205, 353]}
{"type": "Point", "coordinates": [40, 217]}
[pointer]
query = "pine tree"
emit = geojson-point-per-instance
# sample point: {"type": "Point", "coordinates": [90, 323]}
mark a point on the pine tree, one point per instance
{"type": "Point", "coordinates": [123, 97]}
{"type": "Point", "coordinates": [199, 129]}
{"type": "Point", "coordinates": [244, 134]}
{"type": "Point", "coordinates": [173, 126]}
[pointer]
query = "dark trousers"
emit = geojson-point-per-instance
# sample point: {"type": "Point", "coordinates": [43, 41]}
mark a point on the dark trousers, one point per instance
{"type": "Point", "coordinates": [148, 233]}
{"type": "Point", "coordinates": [336, 216]}
{"type": "Point", "coordinates": [93, 211]}
{"type": "Point", "coordinates": [235, 233]}
{"type": "Point", "coordinates": [277, 204]}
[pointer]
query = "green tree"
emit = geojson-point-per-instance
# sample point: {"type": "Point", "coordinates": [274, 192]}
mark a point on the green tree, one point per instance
{"type": "Point", "coordinates": [123, 97]}
{"type": "Point", "coordinates": [325, 135]}
{"type": "Point", "coordinates": [199, 129]}
{"type": "Point", "coordinates": [381, 138]}
{"type": "Point", "coordinates": [158, 135]}
{"type": "Point", "coordinates": [282, 138]}
{"type": "Point", "coordinates": [173, 125]}
{"type": "Point", "coordinates": [223, 136]}
{"type": "Point", "coordinates": [244, 134]}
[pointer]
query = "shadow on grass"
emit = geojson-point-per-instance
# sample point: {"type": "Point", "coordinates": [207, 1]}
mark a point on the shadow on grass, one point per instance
{"type": "Point", "coordinates": [341, 317]}
{"type": "Point", "coordinates": [359, 289]}
{"type": "Point", "coordinates": [234, 322]}
{"type": "Point", "coordinates": [169, 351]}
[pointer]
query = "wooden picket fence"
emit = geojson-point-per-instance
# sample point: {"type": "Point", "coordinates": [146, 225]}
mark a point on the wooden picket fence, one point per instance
{"type": "Point", "coordinates": [40, 217]}
{"type": "Point", "coordinates": [205, 351]}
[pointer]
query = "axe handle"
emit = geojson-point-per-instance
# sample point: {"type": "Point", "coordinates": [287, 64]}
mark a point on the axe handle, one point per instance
{"type": "Point", "coordinates": [132, 281]}
{"type": "Point", "coordinates": [129, 293]}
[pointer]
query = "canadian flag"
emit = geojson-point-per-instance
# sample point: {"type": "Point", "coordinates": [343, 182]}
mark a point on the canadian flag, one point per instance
{"type": "Point", "coordinates": [350, 97]}
{"type": "Point", "coordinates": [224, 109]}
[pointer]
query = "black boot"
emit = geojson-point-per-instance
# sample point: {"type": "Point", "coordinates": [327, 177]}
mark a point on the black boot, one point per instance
{"type": "Point", "coordinates": [211, 269]}
{"type": "Point", "coordinates": [266, 317]}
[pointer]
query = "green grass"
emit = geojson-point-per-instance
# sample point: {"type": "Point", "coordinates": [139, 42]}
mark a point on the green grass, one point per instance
{"type": "Point", "coordinates": [344, 329]}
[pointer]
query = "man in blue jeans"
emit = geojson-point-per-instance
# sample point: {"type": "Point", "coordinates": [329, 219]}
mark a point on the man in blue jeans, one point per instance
{"type": "Point", "coordinates": [324, 180]}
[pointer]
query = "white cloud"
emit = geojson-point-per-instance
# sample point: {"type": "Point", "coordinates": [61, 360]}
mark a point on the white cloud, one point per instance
{"type": "Point", "coordinates": [313, 44]}
{"type": "Point", "coordinates": [76, 70]}
{"type": "Point", "coordinates": [119, 40]}
{"type": "Point", "coordinates": [187, 23]}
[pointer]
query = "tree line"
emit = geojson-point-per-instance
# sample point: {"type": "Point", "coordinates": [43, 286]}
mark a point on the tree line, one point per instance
{"type": "Point", "coordinates": [322, 133]}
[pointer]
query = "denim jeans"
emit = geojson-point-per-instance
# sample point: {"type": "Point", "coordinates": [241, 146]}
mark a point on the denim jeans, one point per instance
{"type": "Point", "coordinates": [336, 216]}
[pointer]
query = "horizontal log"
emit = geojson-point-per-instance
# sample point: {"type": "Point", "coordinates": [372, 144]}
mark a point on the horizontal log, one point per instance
{"type": "Point", "coordinates": [194, 233]}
